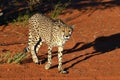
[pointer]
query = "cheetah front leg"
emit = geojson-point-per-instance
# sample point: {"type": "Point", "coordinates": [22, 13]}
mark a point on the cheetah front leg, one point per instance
{"type": "Point", "coordinates": [60, 69]}
{"type": "Point", "coordinates": [48, 65]}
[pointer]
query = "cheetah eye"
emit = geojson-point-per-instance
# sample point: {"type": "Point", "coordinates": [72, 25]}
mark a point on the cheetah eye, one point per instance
{"type": "Point", "coordinates": [69, 31]}
{"type": "Point", "coordinates": [59, 26]}
{"type": "Point", "coordinates": [63, 31]}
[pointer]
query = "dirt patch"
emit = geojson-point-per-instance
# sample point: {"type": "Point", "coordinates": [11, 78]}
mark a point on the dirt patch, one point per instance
{"type": "Point", "coordinates": [92, 53]}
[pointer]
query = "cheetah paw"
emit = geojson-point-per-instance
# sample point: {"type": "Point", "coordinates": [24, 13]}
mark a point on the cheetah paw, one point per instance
{"type": "Point", "coordinates": [39, 62]}
{"type": "Point", "coordinates": [63, 72]}
{"type": "Point", "coordinates": [47, 66]}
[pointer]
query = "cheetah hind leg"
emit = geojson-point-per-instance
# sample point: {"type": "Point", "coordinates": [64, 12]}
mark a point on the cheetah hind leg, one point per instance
{"type": "Point", "coordinates": [38, 45]}
{"type": "Point", "coordinates": [34, 50]}
{"type": "Point", "coordinates": [34, 55]}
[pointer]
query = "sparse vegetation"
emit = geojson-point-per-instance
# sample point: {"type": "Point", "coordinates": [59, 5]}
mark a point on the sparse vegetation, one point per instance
{"type": "Point", "coordinates": [58, 8]}
{"type": "Point", "coordinates": [20, 11]}
{"type": "Point", "coordinates": [21, 19]}
{"type": "Point", "coordinates": [16, 58]}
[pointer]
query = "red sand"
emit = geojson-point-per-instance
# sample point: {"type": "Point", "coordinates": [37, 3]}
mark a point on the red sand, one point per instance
{"type": "Point", "coordinates": [92, 53]}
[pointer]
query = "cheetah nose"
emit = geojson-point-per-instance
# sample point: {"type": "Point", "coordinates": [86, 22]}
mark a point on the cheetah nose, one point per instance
{"type": "Point", "coordinates": [67, 37]}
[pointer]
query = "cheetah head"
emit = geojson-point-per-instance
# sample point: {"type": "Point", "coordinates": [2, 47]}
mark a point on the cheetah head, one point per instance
{"type": "Point", "coordinates": [65, 30]}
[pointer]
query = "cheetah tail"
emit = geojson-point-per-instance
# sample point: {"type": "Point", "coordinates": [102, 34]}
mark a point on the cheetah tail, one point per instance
{"type": "Point", "coordinates": [26, 50]}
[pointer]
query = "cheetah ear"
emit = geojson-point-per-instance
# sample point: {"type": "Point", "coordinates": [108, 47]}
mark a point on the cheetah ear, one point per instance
{"type": "Point", "coordinates": [72, 26]}
{"type": "Point", "coordinates": [60, 21]}
{"type": "Point", "coordinates": [58, 27]}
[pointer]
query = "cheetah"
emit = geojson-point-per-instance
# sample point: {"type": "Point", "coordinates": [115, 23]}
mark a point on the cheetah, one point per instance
{"type": "Point", "coordinates": [52, 32]}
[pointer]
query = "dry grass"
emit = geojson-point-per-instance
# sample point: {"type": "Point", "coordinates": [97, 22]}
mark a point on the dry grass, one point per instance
{"type": "Point", "coordinates": [16, 58]}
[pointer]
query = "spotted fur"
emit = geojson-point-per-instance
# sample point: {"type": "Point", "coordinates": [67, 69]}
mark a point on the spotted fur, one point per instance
{"type": "Point", "coordinates": [53, 32]}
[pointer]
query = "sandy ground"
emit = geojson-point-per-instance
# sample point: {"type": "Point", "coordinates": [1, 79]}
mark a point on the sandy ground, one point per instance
{"type": "Point", "coordinates": [92, 53]}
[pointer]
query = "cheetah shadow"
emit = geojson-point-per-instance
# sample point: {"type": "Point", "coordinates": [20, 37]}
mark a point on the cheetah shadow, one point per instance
{"type": "Point", "coordinates": [101, 46]}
